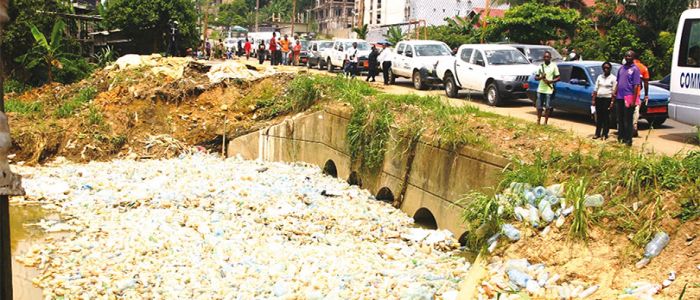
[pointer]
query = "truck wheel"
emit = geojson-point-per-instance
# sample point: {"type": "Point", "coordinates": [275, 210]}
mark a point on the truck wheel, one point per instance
{"type": "Point", "coordinates": [656, 122]}
{"type": "Point", "coordinates": [392, 77]}
{"type": "Point", "coordinates": [492, 96]}
{"type": "Point", "coordinates": [418, 81]}
{"type": "Point", "coordinates": [329, 65]}
{"type": "Point", "coordinates": [450, 86]}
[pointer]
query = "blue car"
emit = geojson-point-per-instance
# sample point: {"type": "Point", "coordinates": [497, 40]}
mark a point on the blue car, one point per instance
{"type": "Point", "coordinates": [575, 87]}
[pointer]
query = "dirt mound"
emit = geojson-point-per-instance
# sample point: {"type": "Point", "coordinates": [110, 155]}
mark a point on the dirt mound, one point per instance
{"type": "Point", "coordinates": [149, 107]}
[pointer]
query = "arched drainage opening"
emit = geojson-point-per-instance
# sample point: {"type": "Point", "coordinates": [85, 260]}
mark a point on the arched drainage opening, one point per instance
{"type": "Point", "coordinates": [385, 195]}
{"type": "Point", "coordinates": [425, 219]}
{"type": "Point", "coordinates": [354, 179]}
{"type": "Point", "coordinates": [329, 169]}
{"type": "Point", "coordinates": [463, 239]}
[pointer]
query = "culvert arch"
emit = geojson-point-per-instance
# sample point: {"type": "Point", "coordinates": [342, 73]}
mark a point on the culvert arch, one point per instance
{"type": "Point", "coordinates": [330, 169]}
{"type": "Point", "coordinates": [385, 194]}
{"type": "Point", "coordinates": [425, 218]}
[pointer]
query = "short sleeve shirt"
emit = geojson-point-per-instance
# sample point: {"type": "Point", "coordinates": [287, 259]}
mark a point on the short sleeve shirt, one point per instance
{"type": "Point", "coordinates": [273, 44]}
{"type": "Point", "coordinates": [643, 72]}
{"type": "Point", "coordinates": [628, 78]}
{"type": "Point", "coordinates": [604, 85]}
{"type": "Point", "coordinates": [550, 72]}
{"type": "Point", "coordinates": [285, 45]}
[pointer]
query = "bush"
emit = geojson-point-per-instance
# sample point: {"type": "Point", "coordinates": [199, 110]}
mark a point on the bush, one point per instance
{"type": "Point", "coordinates": [74, 70]}
{"type": "Point", "coordinates": [14, 86]}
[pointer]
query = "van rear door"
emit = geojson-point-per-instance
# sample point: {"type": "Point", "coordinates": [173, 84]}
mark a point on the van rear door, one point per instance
{"type": "Point", "coordinates": [685, 70]}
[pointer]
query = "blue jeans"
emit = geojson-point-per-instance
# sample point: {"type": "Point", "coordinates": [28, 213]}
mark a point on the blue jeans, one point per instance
{"type": "Point", "coordinates": [285, 58]}
{"type": "Point", "coordinates": [544, 98]}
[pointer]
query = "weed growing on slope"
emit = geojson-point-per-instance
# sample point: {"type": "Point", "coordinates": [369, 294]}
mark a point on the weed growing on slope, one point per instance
{"type": "Point", "coordinates": [71, 106]}
{"type": "Point", "coordinates": [482, 217]}
{"type": "Point", "coordinates": [23, 108]}
{"type": "Point", "coordinates": [576, 192]}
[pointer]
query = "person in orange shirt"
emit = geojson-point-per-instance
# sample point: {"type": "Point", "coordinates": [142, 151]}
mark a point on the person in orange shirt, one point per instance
{"type": "Point", "coordinates": [285, 49]}
{"type": "Point", "coordinates": [644, 71]}
{"type": "Point", "coordinates": [297, 52]}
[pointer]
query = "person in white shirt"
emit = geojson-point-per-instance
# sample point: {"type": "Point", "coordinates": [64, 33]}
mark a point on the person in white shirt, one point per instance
{"type": "Point", "coordinates": [353, 60]}
{"type": "Point", "coordinates": [385, 59]}
{"type": "Point", "coordinates": [603, 92]}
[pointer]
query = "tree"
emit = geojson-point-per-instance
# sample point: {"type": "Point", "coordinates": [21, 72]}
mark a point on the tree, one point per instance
{"type": "Point", "coordinates": [534, 23]}
{"type": "Point", "coordinates": [148, 21]}
{"type": "Point", "coordinates": [49, 52]}
{"type": "Point", "coordinates": [621, 38]}
{"type": "Point", "coordinates": [394, 35]}
{"type": "Point", "coordinates": [236, 12]}
{"type": "Point", "coordinates": [361, 31]}
{"type": "Point", "coordinates": [588, 42]}
{"type": "Point", "coordinates": [463, 25]}
{"type": "Point", "coordinates": [659, 15]}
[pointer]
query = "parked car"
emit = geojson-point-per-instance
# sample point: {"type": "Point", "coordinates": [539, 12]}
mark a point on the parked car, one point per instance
{"type": "Point", "coordinates": [685, 70]}
{"type": "Point", "coordinates": [534, 53]}
{"type": "Point", "coordinates": [335, 56]}
{"type": "Point", "coordinates": [664, 83]}
{"type": "Point", "coordinates": [501, 72]}
{"type": "Point", "coordinates": [316, 58]}
{"type": "Point", "coordinates": [575, 87]}
{"type": "Point", "coordinates": [416, 60]}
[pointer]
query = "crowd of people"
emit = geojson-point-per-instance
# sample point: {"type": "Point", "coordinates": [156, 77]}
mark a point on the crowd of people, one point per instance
{"type": "Point", "coordinates": [620, 92]}
{"type": "Point", "coordinates": [280, 51]}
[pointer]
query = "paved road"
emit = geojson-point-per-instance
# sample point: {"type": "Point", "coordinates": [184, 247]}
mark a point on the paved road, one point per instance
{"type": "Point", "coordinates": [671, 138]}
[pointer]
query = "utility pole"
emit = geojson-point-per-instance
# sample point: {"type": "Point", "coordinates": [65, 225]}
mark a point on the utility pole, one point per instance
{"type": "Point", "coordinates": [294, 14]}
{"type": "Point", "coordinates": [361, 15]}
{"type": "Point", "coordinates": [257, 9]}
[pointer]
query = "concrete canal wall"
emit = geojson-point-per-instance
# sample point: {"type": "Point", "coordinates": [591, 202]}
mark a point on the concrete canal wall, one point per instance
{"type": "Point", "coordinates": [425, 180]}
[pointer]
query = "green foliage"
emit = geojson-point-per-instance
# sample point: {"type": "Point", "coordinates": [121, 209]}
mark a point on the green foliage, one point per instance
{"type": "Point", "coordinates": [534, 23]}
{"type": "Point", "coordinates": [458, 31]}
{"type": "Point", "coordinates": [588, 42]}
{"type": "Point", "coordinates": [74, 70]}
{"type": "Point", "coordinates": [621, 38]}
{"type": "Point", "coordinates": [14, 86]}
{"type": "Point", "coordinates": [659, 15]}
{"type": "Point", "coordinates": [482, 217]}
{"type": "Point", "coordinates": [235, 13]}
{"type": "Point", "coordinates": [48, 53]}
{"type": "Point", "coordinates": [361, 31]}
{"type": "Point", "coordinates": [463, 25]}
{"type": "Point", "coordinates": [394, 35]}
{"type": "Point", "coordinates": [105, 56]}
{"type": "Point", "coordinates": [94, 116]}
{"type": "Point", "coordinates": [71, 106]}
{"type": "Point", "coordinates": [147, 22]}
{"type": "Point", "coordinates": [534, 173]}
{"type": "Point", "coordinates": [576, 192]}
{"type": "Point", "coordinates": [368, 132]}
{"type": "Point", "coordinates": [23, 108]}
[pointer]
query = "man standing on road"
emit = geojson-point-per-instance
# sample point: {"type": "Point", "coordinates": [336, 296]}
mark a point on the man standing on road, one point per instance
{"type": "Point", "coordinates": [285, 50]}
{"type": "Point", "coordinates": [385, 59]}
{"type": "Point", "coordinates": [353, 60]}
{"type": "Point", "coordinates": [273, 49]}
{"type": "Point", "coordinates": [548, 75]}
{"type": "Point", "coordinates": [372, 64]}
{"type": "Point", "coordinates": [261, 52]}
{"type": "Point", "coordinates": [644, 73]}
{"type": "Point", "coordinates": [627, 98]}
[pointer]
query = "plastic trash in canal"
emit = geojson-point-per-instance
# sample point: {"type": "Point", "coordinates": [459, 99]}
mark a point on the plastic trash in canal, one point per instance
{"type": "Point", "coordinates": [654, 248]}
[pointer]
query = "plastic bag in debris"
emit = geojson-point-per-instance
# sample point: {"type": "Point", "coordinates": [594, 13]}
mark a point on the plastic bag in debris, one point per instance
{"type": "Point", "coordinates": [596, 200]}
{"type": "Point", "coordinates": [234, 70]}
{"type": "Point", "coordinates": [128, 61]}
{"type": "Point", "coordinates": [510, 232]}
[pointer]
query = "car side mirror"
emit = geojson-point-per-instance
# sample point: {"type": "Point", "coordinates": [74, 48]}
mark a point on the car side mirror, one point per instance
{"type": "Point", "coordinates": [583, 82]}
{"type": "Point", "coordinates": [409, 54]}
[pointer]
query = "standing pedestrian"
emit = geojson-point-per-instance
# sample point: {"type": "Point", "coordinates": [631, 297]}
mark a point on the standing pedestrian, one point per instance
{"type": "Point", "coordinates": [548, 75]}
{"type": "Point", "coordinates": [297, 52]}
{"type": "Point", "coordinates": [353, 59]}
{"type": "Point", "coordinates": [273, 49]}
{"type": "Point", "coordinates": [628, 81]}
{"type": "Point", "coordinates": [603, 92]}
{"type": "Point", "coordinates": [239, 48]}
{"type": "Point", "coordinates": [220, 49]}
{"type": "Point", "coordinates": [285, 50]}
{"type": "Point", "coordinates": [385, 58]}
{"type": "Point", "coordinates": [261, 52]}
{"type": "Point", "coordinates": [644, 73]}
{"type": "Point", "coordinates": [247, 47]}
{"type": "Point", "coordinates": [372, 64]}
{"type": "Point", "coordinates": [207, 49]}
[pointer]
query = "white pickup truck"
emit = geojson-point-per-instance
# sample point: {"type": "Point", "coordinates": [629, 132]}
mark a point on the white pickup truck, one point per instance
{"type": "Point", "coordinates": [501, 72]}
{"type": "Point", "coordinates": [416, 60]}
{"type": "Point", "coordinates": [335, 56]}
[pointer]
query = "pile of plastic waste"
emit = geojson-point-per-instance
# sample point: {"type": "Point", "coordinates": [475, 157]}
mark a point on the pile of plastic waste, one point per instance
{"type": "Point", "coordinates": [173, 67]}
{"type": "Point", "coordinates": [200, 227]}
{"type": "Point", "coordinates": [231, 69]}
{"type": "Point", "coordinates": [515, 276]}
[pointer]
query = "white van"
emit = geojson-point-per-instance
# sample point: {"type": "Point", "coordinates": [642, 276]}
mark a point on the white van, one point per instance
{"type": "Point", "coordinates": [685, 70]}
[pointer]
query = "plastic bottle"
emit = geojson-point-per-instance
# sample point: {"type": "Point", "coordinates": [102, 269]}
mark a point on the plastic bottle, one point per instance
{"type": "Point", "coordinates": [510, 232]}
{"type": "Point", "coordinates": [518, 278]}
{"type": "Point", "coordinates": [556, 190]}
{"type": "Point", "coordinates": [534, 217]}
{"type": "Point", "coordinates": [539, 192]}
{"type": "Point", "coordinates": [546, 211]}
{"type": "Point", "coordinates": [596, 200]}
{"type": "Point", "coordinates": [530, 197]}
{"type": "Point", "coordinates": [654, 248]}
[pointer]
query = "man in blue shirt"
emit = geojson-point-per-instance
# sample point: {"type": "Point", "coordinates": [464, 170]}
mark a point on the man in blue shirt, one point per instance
{"type": "Point", "coordinates": [628, 82]}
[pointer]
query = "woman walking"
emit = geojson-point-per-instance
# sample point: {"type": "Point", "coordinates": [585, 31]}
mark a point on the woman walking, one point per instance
{"type": "Point", "coordinates": [603, 92]}
{"type": "Point", "coordinates": [247, 47]}
{"type": "Point", "coordinates": [261, 52]}
{"type": "Point", "coordinates": [372, 64]}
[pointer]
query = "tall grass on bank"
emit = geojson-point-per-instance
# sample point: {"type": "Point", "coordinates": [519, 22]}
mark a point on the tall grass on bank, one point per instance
{"type": "Point", "coordinates": [23, 108]}
{"type": "Point", "coordinates": [576, 192]}
{"type": "Point", "coordinates": [482, 216]}
{"type": "Point", "coordinates": [71, 106]}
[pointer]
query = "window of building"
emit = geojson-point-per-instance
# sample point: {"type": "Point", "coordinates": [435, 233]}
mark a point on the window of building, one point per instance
{"type": "Point", "coordinates": [338, 12]}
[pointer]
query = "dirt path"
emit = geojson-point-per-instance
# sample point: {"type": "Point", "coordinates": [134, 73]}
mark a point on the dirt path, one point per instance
{"type": "Point", "coordinates": [671, 138]}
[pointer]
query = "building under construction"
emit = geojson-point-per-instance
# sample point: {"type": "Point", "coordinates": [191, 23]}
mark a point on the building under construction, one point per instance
{"type": "Point", "coordinates": [334, 17]}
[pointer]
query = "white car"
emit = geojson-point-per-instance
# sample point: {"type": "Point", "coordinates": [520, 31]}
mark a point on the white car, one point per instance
{"type": "Point", "coordinates": [416, 60]}
{"type": "Point", "coordinates": [685, 70]}
{"type": "Point", "coordinates": [501, 72]}
{"type": "Point", "coordinates": [335, 56]}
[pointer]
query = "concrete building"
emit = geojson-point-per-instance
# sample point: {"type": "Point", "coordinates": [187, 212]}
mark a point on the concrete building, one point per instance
{"type": "Point", "coordinates": [433, 12]}
{"type": "Point", "coordinates": [334, 17]}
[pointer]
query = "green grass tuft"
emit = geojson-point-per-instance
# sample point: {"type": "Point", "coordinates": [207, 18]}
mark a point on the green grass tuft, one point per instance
{"type": "Point", "coordinates": [71, 106]}
{"type": "Point", "coordinates": [23, 108]}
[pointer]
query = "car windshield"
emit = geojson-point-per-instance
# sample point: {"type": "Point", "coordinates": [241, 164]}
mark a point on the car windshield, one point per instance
{"type": "Point", "coordinates": [325, 45]}
{"type": "Point", "coordinates": [597, 70]}
{"type": "Point", "coordinates": [432, 50]}
{"type": "Point", "coordinates": [304, 44]}
{"type": "Point", "coordinates": [505, 57]}
{"type": "Point", "coordinates": [360, 46]}
{"type": "Point", "coordinates": [536, 54]}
